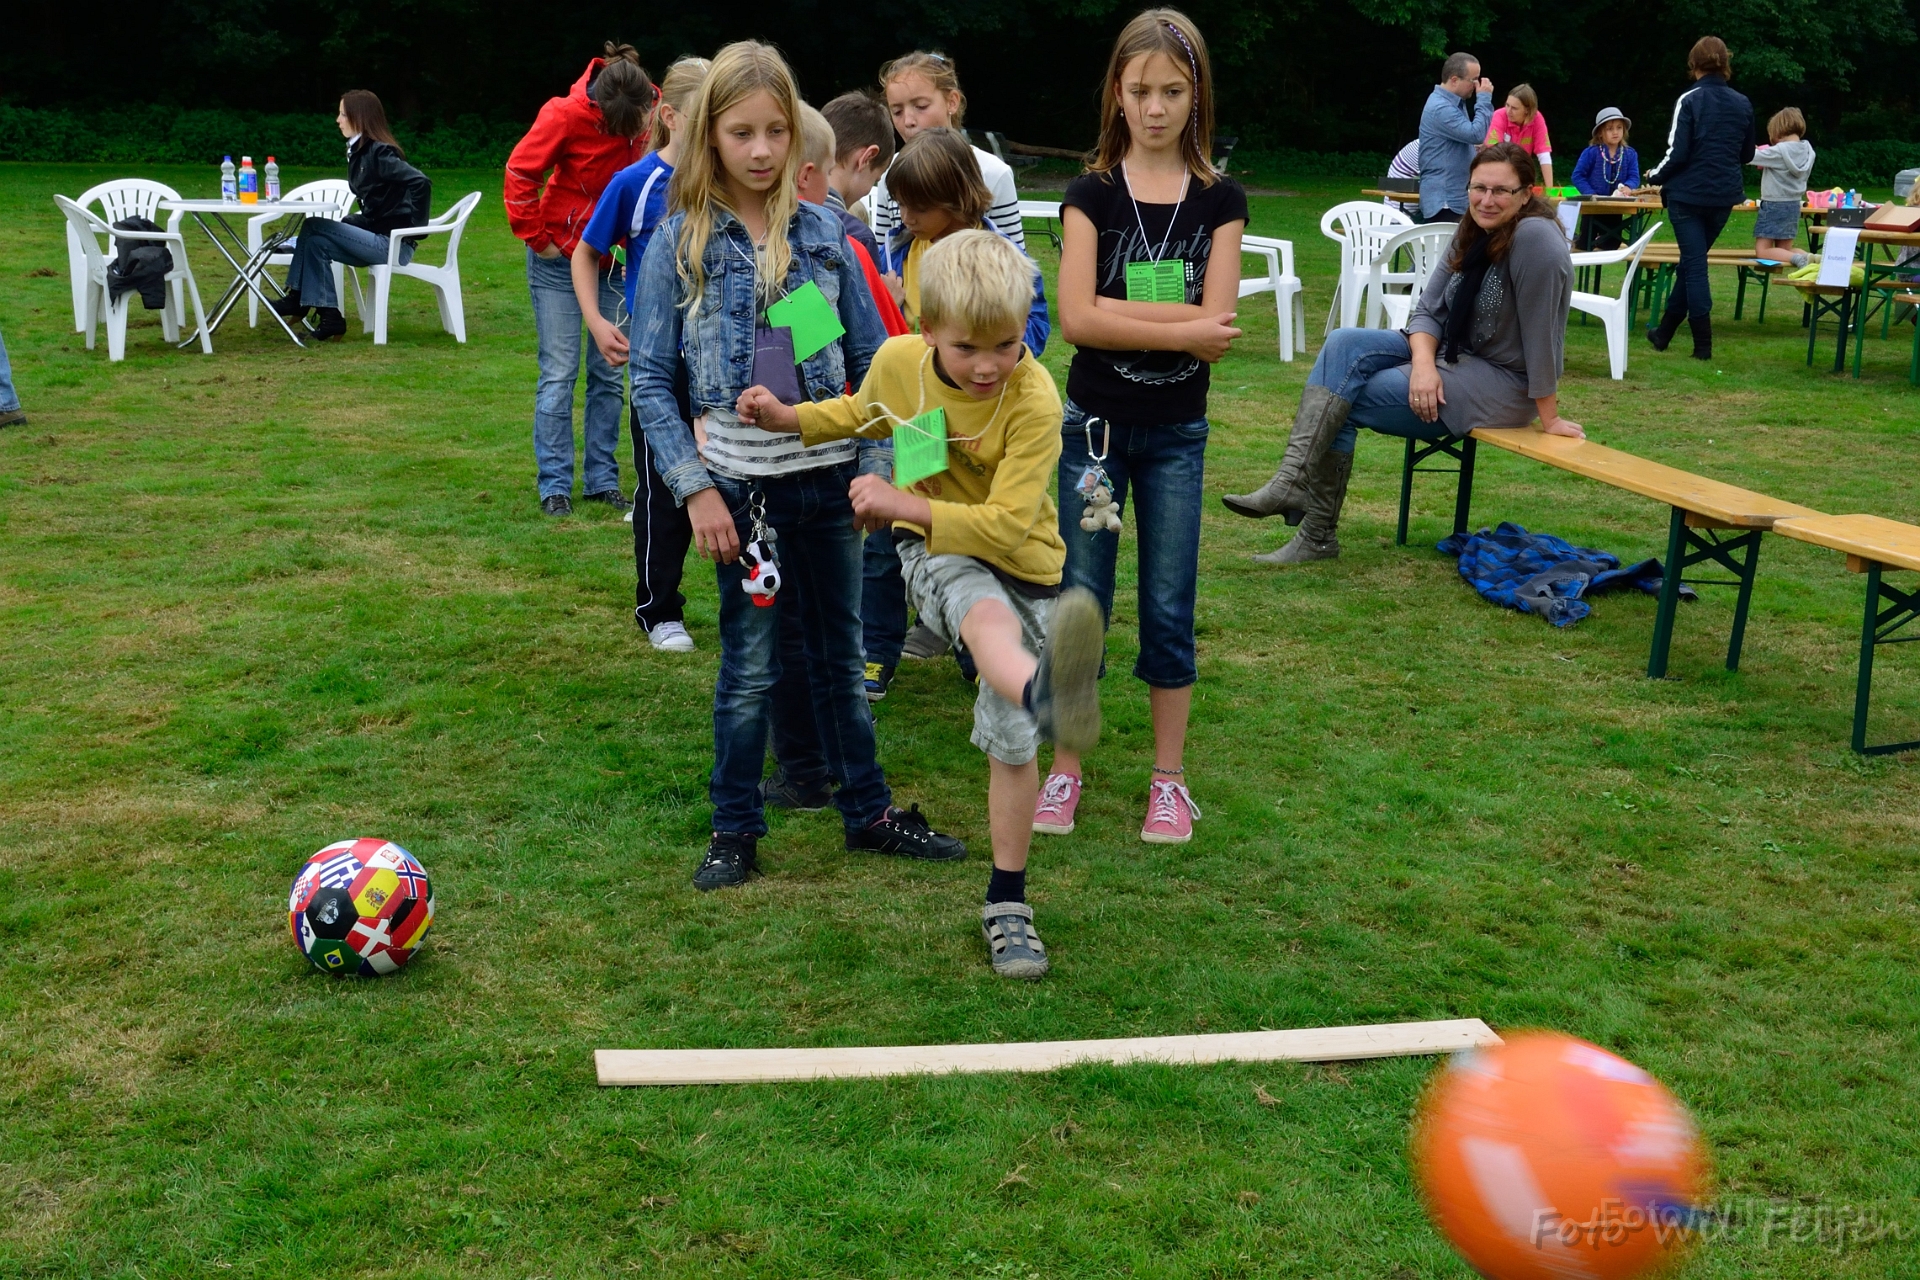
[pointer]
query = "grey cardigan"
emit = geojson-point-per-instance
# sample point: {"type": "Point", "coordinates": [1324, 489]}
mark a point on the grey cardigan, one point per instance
{"type": "Point", "coordinates": [1518, 347]}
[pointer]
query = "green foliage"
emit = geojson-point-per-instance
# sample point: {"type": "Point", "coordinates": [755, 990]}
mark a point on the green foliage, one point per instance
{"type": "Point", "coordinates": [1862, 164]}
{"type": "Point", "coordinates": [162, 135]}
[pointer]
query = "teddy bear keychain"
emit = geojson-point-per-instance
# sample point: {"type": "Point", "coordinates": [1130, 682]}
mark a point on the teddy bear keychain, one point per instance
{"type": "Point", "coordinates": [1095, 486]}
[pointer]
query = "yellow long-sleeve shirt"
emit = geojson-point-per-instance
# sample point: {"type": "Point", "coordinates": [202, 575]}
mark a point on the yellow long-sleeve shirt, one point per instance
{"type": "Point", "coordinates": [992, 501]}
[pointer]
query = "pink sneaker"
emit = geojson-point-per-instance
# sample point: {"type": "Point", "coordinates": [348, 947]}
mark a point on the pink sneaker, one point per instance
{"type": "Point", "coordinates": [1170, 814]}
{"type": "Point", "coordinates": [1053, 815]}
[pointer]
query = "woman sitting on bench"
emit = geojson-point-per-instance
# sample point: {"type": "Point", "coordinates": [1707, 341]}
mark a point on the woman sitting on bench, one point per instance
{"type": "Point", "coordinates": [1484, 348]}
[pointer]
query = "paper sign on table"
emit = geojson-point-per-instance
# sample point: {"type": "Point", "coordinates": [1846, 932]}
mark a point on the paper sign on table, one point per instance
{"type": "Point", "coordinates": [810, 316]}
{"type": "Point", "coordinates": [1157, 281]}
{"type": "Point", "coordinates": [920, 448]}
{"type": "Point", "coordinates": [1836, 257]}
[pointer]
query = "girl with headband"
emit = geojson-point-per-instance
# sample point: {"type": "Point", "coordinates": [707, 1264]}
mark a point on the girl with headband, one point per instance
{"type": "Point", "coordinates": [1149, 276]}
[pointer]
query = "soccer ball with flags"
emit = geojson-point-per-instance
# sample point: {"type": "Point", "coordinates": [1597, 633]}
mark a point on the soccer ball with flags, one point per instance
{"type": "Point", "coordinates": [360, 906]}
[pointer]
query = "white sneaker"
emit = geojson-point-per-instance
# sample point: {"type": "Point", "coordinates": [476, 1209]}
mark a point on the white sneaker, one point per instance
{"type": "Point", "coordinates": [671, 637]}
{"type": "Point", "coordinates": [629, 516]}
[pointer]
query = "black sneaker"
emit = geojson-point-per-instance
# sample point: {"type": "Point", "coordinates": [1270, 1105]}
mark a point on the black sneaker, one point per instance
{"type": "Point", "coordinates": [906, 833]}
{"type": "Point", "coordinates": [780, 791]}
{"type": "Point", "coordinates": [878, 678]}
{"type": "Point", "coordinates": [328, 322]}
{"type": "Point", "coordinates": [612, 497]}
{"type": "Point", "coordinates": [964, 660]}
{"type": "Point", "coordinates": [729, 861]}
{"type": "Point", "coordinates": [557, 504]}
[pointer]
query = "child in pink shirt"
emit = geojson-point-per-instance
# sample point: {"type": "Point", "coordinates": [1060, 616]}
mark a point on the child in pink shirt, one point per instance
{"type": "Point", "coordinates": [1520, 121]}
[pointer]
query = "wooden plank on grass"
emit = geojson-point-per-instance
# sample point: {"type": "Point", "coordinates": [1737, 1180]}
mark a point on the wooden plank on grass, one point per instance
{"type": "Point", "coordinates": [760, 1066]}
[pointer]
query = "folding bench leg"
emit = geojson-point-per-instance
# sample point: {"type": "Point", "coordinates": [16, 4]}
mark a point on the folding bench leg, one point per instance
{"type": "Point", "coordinates": [1877, 628]}
{"type": "Point", "coordinates": [1418, 451]}
{"type": "Point", "coordinates": [1686, 548]}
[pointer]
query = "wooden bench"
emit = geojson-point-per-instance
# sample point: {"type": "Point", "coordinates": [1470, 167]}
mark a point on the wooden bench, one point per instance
{"type": "Point", "coordinates": [1711, 521]}
{"type": "Point", "coordinates": [1872, 545]}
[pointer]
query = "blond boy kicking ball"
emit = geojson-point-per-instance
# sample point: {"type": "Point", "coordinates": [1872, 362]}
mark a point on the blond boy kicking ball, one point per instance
{"type": "Point", "coordinates": [979, 542]}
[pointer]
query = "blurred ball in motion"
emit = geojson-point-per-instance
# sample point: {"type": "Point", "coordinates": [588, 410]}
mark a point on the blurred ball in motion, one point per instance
{"type": "Point", "coordinates": [1549, 1158]}
{"type": "Point", "coordinates": [360, 907]}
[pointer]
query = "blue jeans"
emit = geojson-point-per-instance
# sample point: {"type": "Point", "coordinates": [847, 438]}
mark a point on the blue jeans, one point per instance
{"type": "Point", "coordinates": [1695, 228]}
{"type": "Point", "coordinates": [1164, 468]}
{"type": "Point", "coordinates": [322, 243]}
{"type": "Point", "coordinates": [559, 325]}
{"type": "Point", "coordinates": [883, 600]}
{"type": "Point", "coordinates": [819, 552]}
{"type": "Point", "coordinates": [9, 398]}
{"type": "Point", "coordinates": [1370, 368]}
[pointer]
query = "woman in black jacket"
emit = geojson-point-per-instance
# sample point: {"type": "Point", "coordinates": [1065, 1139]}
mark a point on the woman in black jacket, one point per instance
{"type": "Point", "coordinates": [1702, 177]}
{"type": "Point", "coordinates": [392, 194]}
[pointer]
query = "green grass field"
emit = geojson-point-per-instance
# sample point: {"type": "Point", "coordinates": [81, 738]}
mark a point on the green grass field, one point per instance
{"type": "Point", "coordinates": [253, 603]}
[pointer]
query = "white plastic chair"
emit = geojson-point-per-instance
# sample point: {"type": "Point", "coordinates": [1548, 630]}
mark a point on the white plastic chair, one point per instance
{"type": "Point", "coordinates": [445, 279]}
{"type": "Point", "coordinates": [1282, 283]}
{"type": "Point", "coordinates": [336, 199]}
{"type": "Point", "coordinates": [1424, 246]}
{"type": "Point", "coordinates": [1362, 228]}
{"type": "Point", "coordinates": [1613, 312]}
{"type": "Point", "coordinates": [98, 304]}
{"type": "Point", "coordinates": [119, 199]}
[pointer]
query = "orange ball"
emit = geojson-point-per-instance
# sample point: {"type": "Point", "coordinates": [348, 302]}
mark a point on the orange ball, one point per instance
{"type": "Point", "coordinates": [1549, 1158]}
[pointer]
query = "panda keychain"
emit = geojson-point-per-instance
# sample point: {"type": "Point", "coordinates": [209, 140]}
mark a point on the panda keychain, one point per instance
{"type": "Point", "coordinates": [763, 564]}
{"type": "Point", "coordinates": [1102, 512]}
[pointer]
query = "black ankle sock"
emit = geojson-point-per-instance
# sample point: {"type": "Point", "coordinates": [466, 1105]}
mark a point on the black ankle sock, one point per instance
{"type": "Point", "coordinates": [1026, 698]}
{"type": "Point", "coordinates": [1007, 886]}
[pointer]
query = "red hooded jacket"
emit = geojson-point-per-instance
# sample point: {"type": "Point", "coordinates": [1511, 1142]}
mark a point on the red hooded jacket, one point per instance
{"type": "Point", "coordinates": [568, 139]}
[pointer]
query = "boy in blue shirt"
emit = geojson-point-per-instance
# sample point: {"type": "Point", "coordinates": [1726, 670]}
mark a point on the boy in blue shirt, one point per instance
{"type": "Point", "coordinates": [634, 203]}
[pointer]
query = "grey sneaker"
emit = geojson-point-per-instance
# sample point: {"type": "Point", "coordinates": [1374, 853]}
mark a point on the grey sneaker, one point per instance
{"type": "Point", "coordinates": [1013, 945]}
{"type": "Point", "coordinates": [13, 418]}
{"type": "Point", "coordinates": [923, 643]}
{"type": "Point", "coordinates": [557, 504]}
{"type": "Point", "coordinates": [1066, 692]}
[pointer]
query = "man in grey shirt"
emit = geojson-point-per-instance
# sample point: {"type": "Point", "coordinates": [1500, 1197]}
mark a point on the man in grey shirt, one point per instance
{"type": "Point", "coordinates": [1449, 135]}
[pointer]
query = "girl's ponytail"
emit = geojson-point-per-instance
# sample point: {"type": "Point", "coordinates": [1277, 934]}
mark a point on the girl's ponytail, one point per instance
{"type": "Point", "coordinates": [622, 92]}
{"type": "Point", "coordinates": [678, 89]}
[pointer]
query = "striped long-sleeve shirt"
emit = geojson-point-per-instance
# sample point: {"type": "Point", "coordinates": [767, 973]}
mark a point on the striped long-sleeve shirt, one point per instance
{"type": "Point", "coordinates": [1003, 211]}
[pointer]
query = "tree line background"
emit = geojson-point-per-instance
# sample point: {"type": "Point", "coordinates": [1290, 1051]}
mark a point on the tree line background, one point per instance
{"type": "Point", "coordinates": [463, 77]}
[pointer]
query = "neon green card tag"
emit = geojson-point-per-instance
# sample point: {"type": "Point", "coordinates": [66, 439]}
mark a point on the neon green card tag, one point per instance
{"type": "Point", "coordinates": [920, 448]}
{"type": "Point", "coordinates": [812, 318]}
{"type": "Point", "coordinates": [1157, 281]}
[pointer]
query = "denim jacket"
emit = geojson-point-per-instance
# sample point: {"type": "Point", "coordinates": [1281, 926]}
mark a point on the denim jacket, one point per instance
{"type": "Point", "coordinates": [717, 335]}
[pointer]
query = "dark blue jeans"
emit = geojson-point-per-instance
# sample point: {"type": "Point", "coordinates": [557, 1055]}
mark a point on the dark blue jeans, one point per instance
{"type": "Point", "coordinates": [819, 553]}
{"type": "Point", "coordinates": [1695, 228]}
{"type": "Point", "coordinates": [883, 600]}
{"type": "Point", "coordinates": [1163, 468]}
{"type": "Point", "coordinates": [1370, 368]}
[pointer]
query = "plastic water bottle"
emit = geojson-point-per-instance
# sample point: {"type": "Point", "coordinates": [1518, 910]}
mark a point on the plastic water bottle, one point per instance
{"type": "Point", "coordinates": [228, 191]}
{"type": "Point", "coordinates": [273, 181]}
{"type": "Point", "coordinates": [249, 182]}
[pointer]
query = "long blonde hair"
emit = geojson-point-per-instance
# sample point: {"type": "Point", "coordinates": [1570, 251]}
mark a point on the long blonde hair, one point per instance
{"type": "Point", "coordinates": [678, 88]}
{"type": "Point", "coordinates": [1171, 32]}
{"type": "Point", "coordinates": [739, 71]}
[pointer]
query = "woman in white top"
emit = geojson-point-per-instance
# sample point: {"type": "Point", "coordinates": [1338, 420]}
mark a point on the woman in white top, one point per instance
{"type": "Point", "coordinates": [923, 92]}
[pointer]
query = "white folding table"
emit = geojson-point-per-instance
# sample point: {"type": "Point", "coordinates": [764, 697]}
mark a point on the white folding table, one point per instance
{"type": "Point", "coordinates": [250, 266]}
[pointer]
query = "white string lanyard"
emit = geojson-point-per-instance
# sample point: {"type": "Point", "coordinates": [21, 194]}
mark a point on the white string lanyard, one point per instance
{"type": "Point", "coordinates": [1185, 184]}
{"type": "Point", "coordinates": [894, 421]}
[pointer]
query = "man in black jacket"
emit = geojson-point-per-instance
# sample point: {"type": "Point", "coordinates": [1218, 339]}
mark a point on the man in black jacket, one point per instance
{"type": "Point", "coordinates": [1702, 177]}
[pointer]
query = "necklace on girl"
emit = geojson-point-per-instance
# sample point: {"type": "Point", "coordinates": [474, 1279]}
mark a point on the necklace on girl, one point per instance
{"type": "Point", "coordinates": [1156, 280]}
{"type": "Point", "coordinates": [1612, 176]}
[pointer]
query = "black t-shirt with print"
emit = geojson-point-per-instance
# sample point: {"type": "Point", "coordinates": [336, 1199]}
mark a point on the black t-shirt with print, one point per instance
{"type": "Point", "coordinates": [1149, 388]}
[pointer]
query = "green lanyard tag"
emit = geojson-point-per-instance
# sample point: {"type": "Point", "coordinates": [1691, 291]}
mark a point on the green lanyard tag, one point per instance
{"type": "Point", "coordinates": [1157, 281]}
{"type": "Point", "coordinates": [812, 318]}
{"type": "Point", "coordinates": [920, 448]}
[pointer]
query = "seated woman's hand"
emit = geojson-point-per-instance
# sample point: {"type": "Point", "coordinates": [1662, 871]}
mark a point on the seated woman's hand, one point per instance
{"type": "Point", "coordinates": [759, 407]}
{"type": "Point", "coordinates": [1425, 395]}
{"type": "Point", "coordinates": [1558, 426]}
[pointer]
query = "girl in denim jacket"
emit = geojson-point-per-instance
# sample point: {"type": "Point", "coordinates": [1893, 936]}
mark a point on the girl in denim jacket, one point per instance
{"type": "Point", "coordinates": [739, 240]}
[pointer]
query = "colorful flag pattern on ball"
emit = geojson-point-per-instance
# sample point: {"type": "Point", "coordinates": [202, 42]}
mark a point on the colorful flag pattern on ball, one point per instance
{"type": "Point", "coordinates": [360, 907]}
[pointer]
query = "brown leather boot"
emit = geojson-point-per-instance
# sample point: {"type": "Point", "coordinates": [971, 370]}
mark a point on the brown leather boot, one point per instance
{"type": "Point", "coordinates": [1318, 421]}
{"type": "Point", "coordinates": [1326, 494]}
